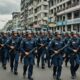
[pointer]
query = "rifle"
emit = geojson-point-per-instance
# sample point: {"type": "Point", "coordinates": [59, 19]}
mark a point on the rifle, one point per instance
{"type": "Point", "coordinates": [75, 51]}
{"type": "Point", "coordinates": [57, 52]}
{"type": "Point", "coordinates": [11, 49]}
{"type": "Point", "coordinates": [28, 52]}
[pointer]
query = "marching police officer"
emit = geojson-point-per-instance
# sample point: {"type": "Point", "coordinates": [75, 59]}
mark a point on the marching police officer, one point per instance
{"type": "Point", "coordinates": [14, 48]}
{"type": "Point", "coordinates": [4, 49]}
{"type": "Point", "coordinates": [48, 53]}
{"type": "Point", "coordinates": [56, 46]}
{"type": "Point", "coordinates": [67, 39]}
{"type": "Point", "coordinates": [74, 48]}
{"type": "Point", "coordinates": [42, 43]}
{"type": "Point", "coordinates": [28, 48]}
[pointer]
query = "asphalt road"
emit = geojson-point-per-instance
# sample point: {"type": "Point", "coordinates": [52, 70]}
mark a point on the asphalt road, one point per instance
{"type": "Point", "coordinates": [38, 73]}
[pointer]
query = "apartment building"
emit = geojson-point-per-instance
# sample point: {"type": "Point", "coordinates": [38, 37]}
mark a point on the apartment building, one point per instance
{"type": "Point", "coordinates": [66, 14]}
{"type": "Point", "coordinates": [8, 26]}
{"type": "Point", "coordinates": [24, 12]}
{"type": "Point", "coordinates": [16, 20]}
{"type": "Point", "coordinates": [35, 11]}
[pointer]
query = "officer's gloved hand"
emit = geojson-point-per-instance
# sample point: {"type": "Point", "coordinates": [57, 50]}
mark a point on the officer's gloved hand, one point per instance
{"type": "Point", "coordinates": [26, 53]}
{"type": "Point", "coordinates": [36, 51]}
{"type": "Point", "coordinates": [56, 52]}
{"type": "Point", "coordinates": [75, 50]}
{"type": "Point", "coordinates": [42, 45]}
{"type": "Point", "coordinates": [12, 47]}
{"type": "Point", "coordinates": [2, 45]}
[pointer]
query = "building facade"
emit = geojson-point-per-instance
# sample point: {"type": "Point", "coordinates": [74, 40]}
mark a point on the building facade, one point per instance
{"type": "Point", "coordinates": [35, 11]}
{"type": "Point", "coordinates": [24, 12]}
{"type": "Point", "coordinates": [66, 14]}
{"type": "Point", "coordinates": [16, 20]}
{"type": "Point", "coordinates": [8, 26]}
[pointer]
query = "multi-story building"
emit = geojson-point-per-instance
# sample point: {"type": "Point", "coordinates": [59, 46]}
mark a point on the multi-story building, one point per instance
{"type": "Point", "coordinates": [66, 14]}
{"type": "Point", "coordinates": [16, 20]}
{"type": "Point", "coordinates": [24, 12]}
{"type": "Point", "coordinates": [8, 25]}
{"type": "Point", "coordinates": [36, 12]}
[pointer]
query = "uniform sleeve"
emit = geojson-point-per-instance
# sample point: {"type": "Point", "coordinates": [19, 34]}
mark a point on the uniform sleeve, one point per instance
{"type": "Point", "coordinates": [22, 46]}
{"type": "Point", "coordinates": [50, 46]}
{"type": "Point", "coordinates": [70, 46]}
{"type": "Point", "coordinates": [8, 42]}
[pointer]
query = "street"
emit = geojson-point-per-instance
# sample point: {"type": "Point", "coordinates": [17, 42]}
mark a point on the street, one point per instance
{"type": "Point", "coordinates": [38, 74]}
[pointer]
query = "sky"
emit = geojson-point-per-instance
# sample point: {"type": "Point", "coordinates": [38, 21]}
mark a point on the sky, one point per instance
{"type": "Point", "coordinates": [6, 9]}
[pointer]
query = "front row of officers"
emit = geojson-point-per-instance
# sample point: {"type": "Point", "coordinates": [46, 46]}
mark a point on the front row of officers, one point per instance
{"type": "Point", "coordinates": [44, 47]}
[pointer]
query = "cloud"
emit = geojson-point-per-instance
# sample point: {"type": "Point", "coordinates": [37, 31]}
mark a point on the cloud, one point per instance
{"type": "Point", "coordinates": [6, 9]}
{"type": "Point", "coordinates": [9, 6]}
{"type": "Point", "coordinates": [4, 19]}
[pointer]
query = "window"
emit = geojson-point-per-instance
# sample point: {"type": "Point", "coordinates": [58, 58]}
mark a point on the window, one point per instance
{"type": "Point", "coordinates": [51, 11]}
{"type": "Point", "coordinates": [63, 28]}
{"type": "Point", "coordinates": [57, 27]}
{"type": "Point", "coordinates": [69, 28]}
{"type": "Point", "coordinates": [76, 27]}
{"type": "Point", "coordinates": [35, 10]}
{"type": "Point", "coordinates": [69, 15]}
{"type": "Point", "coordinates": [45, 14]}
{"type": "Point", "coordinates": [45, 7]}
{"type": "Point", "coordinates": [63, 18]}
{"type": "Point", "coordinates": [77, 14]}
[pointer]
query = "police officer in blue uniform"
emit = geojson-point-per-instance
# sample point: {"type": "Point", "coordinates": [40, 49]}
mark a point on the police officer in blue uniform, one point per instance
{"type": "Point", "coordinates": [74, 48]}
{"type": "Point", "coordinates": [55, 46]}
{"type": "Point", "coordinates": [4, 49]}
{"type": "Point", "coordinates": [14, 48]}
{"type": "Point", "coordinates": [23, 35]}
{"type": "Point", "coordinates": [27, 49]}
{"type": "Point", "coordinates": [48, 53]}
{"type": "Point", "coordinates": [42, 43]}
{"type": "Point", "coordinates": [67, 39]}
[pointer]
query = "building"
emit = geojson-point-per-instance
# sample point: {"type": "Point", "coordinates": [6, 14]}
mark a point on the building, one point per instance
{"type": "Point", "coordinates": [24, 12]}
{"type": "Point", "coordinates": [34, 12]}
{"type": "Point", "coordinates": [8, 26]}
{"type": "Point", "coordinates": [66, 14]}
{"type": "Point", "coordinates": [16, 20]}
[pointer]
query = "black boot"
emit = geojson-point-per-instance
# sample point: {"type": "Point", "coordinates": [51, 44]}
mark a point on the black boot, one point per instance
{"type": "Point", "coordinates": [58, 78]}
{"type": "Point", "coordinates": [24, 70]}
{"type": "Point", "coordinates": [43, 67]}
{"type": "Point", "coordinates": [4, 67]}
{"type": "Point", "coordinates": [15, 73]}
{"type": "Point", "coordinates": [30, 78]}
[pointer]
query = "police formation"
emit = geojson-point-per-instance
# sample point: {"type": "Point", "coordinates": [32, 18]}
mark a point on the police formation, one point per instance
{"type": "Point", "coordinates": [40, 48]}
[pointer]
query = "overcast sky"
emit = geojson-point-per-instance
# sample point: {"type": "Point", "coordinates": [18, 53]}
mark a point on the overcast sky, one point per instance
{"type": "Point", "coordinates": [6, 8]}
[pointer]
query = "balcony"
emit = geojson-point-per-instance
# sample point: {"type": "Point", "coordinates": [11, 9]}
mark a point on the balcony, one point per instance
{"type": "Point", "coordinates": [68, 9]}
{"type": "Point", "coordinates": [56, 5]}
{"type": "Point", "coordinates": [72, 5]}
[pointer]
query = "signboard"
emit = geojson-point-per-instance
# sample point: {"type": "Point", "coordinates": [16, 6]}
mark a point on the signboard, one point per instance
{"type": "Point", "coordinates": [68, 22]}
{"type": "Point", "coordinates": [60, 23]}
{"type": "Point", "coordinates": [73, 21]}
